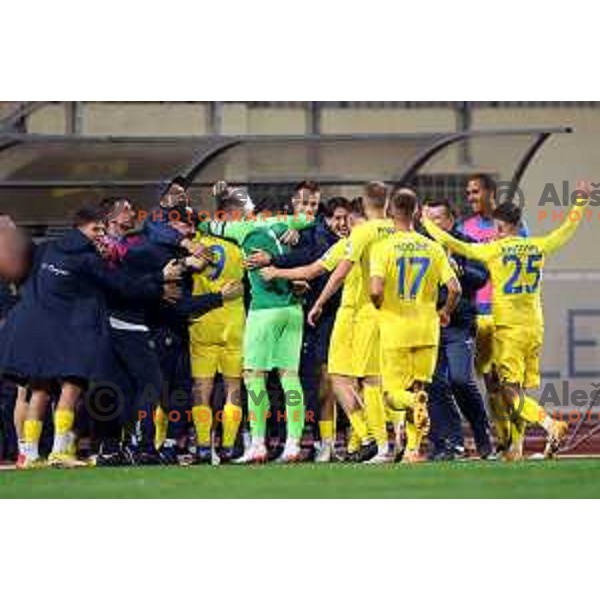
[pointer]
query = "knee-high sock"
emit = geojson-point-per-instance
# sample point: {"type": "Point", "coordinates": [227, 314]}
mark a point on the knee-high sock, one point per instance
{"type": "Point", "coordinates": [529, 410]}
{"type": "Point", "coordinates": [501, 420]}
{"type": "Point", "coordinates": [232, 418]}
{"type": "Point", "coordinates": [63, 430]}
{"type": "Point", "coordinates": [414, 436]}
{"type": "Point", "coordinates": [161, 423]}
{"type": "Point", "coordinates": [359, 426]}
{"type": "Point", "coordinates": [258, 404]}
{"type": "Point", "coordinates": [401, 399]}
{"type": "Point", "coordinates": [202, 417]}
{"type": "Point", "coordinates": [326, 431]}
{"type": "Point", "coordinates": [518, 429]}
{"type": "Point", "coordinates": [375, 413]}
{"type": "Point", "coordinates": [32, 431]}
{"type": "Point", "coordinates": [294, 406]}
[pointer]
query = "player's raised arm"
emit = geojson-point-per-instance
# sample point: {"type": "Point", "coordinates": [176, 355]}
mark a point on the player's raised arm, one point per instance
{"type": "Point", "coordinates": [561, 235]}
{"type": "Point", "coordinates": [481, 252]}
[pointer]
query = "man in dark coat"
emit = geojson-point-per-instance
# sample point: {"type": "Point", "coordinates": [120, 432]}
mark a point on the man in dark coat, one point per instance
{"type": "Point", "coordinates": [149, 339]}
{"type": "Point", "coordinates": [59, 332]}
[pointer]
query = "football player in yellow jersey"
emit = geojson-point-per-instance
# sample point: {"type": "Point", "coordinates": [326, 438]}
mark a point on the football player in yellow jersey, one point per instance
{"type": "Point", "coordinates": [340, 356]}
{"type": "Point", "coordinates": [361, 334]}
{"type": "Point", "coordinates": [516, 266]}
{"type": "Point", "coordinates": [406, 272]}
{"type": "Point", "coordinates": [216, 347]}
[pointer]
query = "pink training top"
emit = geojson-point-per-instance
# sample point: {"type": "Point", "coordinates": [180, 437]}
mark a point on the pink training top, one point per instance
{"type": "Point", "coordinates": [483, 230]}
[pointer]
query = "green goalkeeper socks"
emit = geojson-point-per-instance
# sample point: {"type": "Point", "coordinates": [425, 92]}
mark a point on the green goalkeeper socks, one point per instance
{"type": "Point", "coordinates": [294, 406]}
{"type": "Point", "coordinates": [258, 404]}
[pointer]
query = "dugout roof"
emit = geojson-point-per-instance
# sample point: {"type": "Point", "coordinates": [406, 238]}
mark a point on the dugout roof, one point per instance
{"type": "Point", "coordinates": [43, 177]}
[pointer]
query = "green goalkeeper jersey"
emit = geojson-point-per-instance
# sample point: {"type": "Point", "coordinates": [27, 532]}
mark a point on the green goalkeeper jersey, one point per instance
{"type": "Point", "coordinates": [262, 234]}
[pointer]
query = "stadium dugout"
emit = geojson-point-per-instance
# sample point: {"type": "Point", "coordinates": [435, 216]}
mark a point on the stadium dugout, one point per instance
{"type": "Point", "coordinates": [44, 177]}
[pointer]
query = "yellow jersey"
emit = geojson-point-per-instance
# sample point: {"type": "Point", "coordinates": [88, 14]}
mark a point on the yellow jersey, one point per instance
{"type": "Point", "coordinates": [358, 251]}
{"type": "Point", "coordinates": [413, 268]}
{"type": "Point", "coordinates": [227, 265]}
{"type": "Point", "coordinates": [516, 266]}
{"type": "Point", "coordinates": [330, 260]}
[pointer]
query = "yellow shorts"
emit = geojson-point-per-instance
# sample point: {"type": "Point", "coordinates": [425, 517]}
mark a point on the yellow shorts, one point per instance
{"type": "Point", "coordinates": [516, 356]}
{"type": "Point", "coordinates": [366, 343]}
{"type": "Point", "coordinates": [402, 367]}
{"type": "Point", "coordinates": [340, 358]}
{"type": "Point", "coordinates": [484, 343]}
{"type": "Point", "coordinates": [207, 361]}
{"type": "Point", "coordinates": [217, 347]}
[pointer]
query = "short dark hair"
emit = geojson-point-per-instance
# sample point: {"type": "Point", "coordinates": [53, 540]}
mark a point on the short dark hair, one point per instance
{"type": "Point", "coordinates": [180, 180]}
{"type": "Point", "coordinates": [377, 193]}
{"type": "Point", "coordinates": [508, 212]}
{"type": "Point", "coordinates": [356, 206]}
{"type": "Point", "coordinates": [311, 186]}
{"type": "Point", "coordinates": [486, 181]}
{"type": "Point", "coordinates": [404, 201]}
{"type": "Point", "coordinates": [437, 202]}
{"type": "Point", "coordinates": [91, 213]}
{"type": "Point", "coordinates": [334, 203]}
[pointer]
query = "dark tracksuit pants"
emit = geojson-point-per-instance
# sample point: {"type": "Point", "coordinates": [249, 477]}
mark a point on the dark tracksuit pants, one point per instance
{"type": "Point", "coordinates": [140, 381]}
{"type": "Point", "coordinates": [454, 384]}
{"type": "Point", "coordinates": [173, 354]}
{"type": "Point", "coordinates": [315, 350]}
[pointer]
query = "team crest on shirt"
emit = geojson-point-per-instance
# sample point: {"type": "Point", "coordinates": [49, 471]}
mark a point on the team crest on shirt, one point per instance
{"type": "Point", "coordinates": [54, 270]}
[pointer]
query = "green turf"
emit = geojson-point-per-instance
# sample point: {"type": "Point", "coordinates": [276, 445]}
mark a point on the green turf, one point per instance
{"type": "Point", "coordinates": [560, 479]}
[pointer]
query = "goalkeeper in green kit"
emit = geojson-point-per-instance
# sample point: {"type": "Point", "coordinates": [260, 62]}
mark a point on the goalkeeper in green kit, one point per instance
{"type": "Point", "coordinates": [273, 333]}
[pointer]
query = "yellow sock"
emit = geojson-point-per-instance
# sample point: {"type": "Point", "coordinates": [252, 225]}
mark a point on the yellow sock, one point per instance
{"type": "Point", "coordinates": [326, 431]}
{"type": "Point", "coordinates": [413, 437]}
{"type": "Point", "coordinates": [395, 417]}
{"type": "Point", "coordinates": [63, 420]}
{"type": "Point", "coordinates": [401, 399]}
{"type": "Point", "coordinates": [353, 442]}
{"type": "Point", "coordinates": [32, 431]}
{"type": "Point", "coordinates": [161, 425]}
{"type": "Point", "coordinates": [232, 417]}
{"type": "Point", "coordinates": [375, 413]}
{"type": "Point", "coordinates": [63, 427]}
{"type": "Point", "coordinates": [518, 429]}
{"type": "Point", "coordinates": [531, 411]}
{"type": "Point", "coordinates": [501, 420]}
{"type": "Point", "coordinates": [359, 425]}
{"type": "Point", "coordinates": [202, 416]}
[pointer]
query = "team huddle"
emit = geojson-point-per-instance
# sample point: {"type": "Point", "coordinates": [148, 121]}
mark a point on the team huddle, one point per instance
{"type": "Point", "coordinates": [363, 324]}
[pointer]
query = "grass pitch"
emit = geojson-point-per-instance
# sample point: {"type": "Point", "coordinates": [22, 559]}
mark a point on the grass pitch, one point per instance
{"type": "Point", "coordinates": [558, 479]}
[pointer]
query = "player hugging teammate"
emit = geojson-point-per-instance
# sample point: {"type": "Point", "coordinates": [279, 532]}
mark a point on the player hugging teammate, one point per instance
{"type": "Point", "coordinates": [378, 319]}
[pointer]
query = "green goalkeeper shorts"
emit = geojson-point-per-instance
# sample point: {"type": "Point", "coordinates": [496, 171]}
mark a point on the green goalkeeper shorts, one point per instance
{"type": "Point", "coordinates": [273, 338]}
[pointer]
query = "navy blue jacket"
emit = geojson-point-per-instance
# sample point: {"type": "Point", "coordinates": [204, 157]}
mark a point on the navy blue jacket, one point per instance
{"type": "Point", "coordinates": [147, 257]}
{"type": "Point", "coordinates": [60, 327]}
{"type": "Point", "coordinates": [156, 227]}
{"type": "Point", "coordinates": [8, 299]}
{"type": "Point", "coordinates": [473, 276]}
{"type": "Point", "coordinates": [313, 244]}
